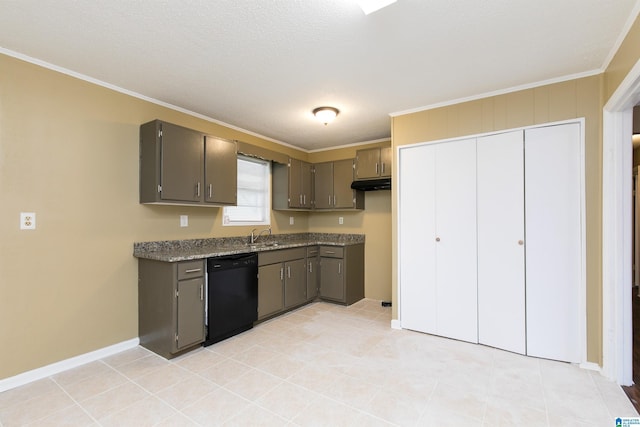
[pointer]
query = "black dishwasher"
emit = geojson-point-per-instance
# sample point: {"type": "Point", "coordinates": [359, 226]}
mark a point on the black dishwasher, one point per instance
{"type": "Point", "coordinates": [232, 295]}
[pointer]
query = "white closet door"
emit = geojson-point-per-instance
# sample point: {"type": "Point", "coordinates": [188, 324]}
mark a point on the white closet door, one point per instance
{"type": "Point", "coordinates": [417, 258]}
{"type": "Point", "coordinates": [553, 246]}
{"type": "Point", "coordinates": [501, 287]}
{"type": "Point", "coordinates": [456, 251]}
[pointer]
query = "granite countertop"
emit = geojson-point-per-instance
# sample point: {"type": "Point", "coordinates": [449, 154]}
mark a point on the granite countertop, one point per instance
{"type": "Point", "coordinates": [183, 250]}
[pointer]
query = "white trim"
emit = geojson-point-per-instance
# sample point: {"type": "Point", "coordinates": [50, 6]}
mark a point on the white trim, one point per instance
{"type": "Point", "coordinates": [582, 296]}
{"type": "Point", "coordinates": [590, 366]}
{"type": "Point", "coordinates": [63, 365]}
{"type": "Point", "coordinates": [137, 95]}
{"type": "Point", "coordinates": [617, 342]}
{"type": "Point", "coordinates": [623, 34]}
{"type": "Point", "coordinates": [395, 324]}
{"type": "Point", "coordinates": [355, 144]}
{"type": "Point", "coordinates": [498, 92]}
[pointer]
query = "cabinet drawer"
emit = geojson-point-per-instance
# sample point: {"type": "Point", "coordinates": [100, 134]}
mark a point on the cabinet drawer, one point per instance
{"type": "Point", "coordinates": [312, 251]}
{"type": "Point", "coordinates": [283, 255]}
{"type": "Point", "coordinates": [190, 269]}
{"type": "Point", "coordinates": [332, 251]}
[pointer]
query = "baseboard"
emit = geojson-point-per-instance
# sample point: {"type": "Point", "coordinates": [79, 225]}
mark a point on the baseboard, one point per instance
{"type": "Point", "coordinates": [590, 366]}
{"type": "Point", "coordinates": [395, 324]}
{"type": "Point", "coordinates": [63, 365]}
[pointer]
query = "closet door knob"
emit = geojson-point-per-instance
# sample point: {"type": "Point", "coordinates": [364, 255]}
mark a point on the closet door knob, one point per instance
{"type": "Point", "coordinates": [437, 239]}
{"type": "Point", "coordinates": [521, 242]}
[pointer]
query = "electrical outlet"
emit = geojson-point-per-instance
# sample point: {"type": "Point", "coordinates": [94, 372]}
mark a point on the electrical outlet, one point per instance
{"type": "Point", "coordinates": [290, 220]}
{"type": "Point", "coordinates": [340, 220]}
{"type": "Point", "coordinates": [184, 220]}
{"type": "Point", "coordinates": [27, 221]}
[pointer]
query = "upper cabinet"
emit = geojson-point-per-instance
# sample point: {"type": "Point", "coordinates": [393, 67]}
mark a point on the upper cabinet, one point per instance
{"type": "Point", "coordinates": [373, 163]}
{"type": "Point", "coordinates": [333, 186]}
{"type": "Point", "coordinates": [293, 185]}
{"type": "Point", "coordinates": [220, 171]}
{"type": "Point", "coordinates": [184, 167]}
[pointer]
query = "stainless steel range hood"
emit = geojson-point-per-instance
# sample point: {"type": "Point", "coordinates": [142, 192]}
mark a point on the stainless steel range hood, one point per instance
{"type": "Point", "coordinates": [372, 184]}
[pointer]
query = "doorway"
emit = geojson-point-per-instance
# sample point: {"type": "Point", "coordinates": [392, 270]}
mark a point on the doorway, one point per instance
{"type": "Point", "coordinates": [617, 230]}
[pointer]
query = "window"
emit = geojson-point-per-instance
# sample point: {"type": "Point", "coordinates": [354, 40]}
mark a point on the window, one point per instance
{"type": "Point", "coordinates": [253, 194]}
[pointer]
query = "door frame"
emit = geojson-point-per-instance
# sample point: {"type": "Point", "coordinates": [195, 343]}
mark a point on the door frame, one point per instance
{"type": "Point", "coordinates": [617, 239]}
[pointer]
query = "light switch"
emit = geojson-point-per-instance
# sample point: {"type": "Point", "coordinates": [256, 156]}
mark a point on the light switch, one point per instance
{"type": "Point", "coordinates": [340, 220]}
{"type": "Point", "coordinates": [184, 220]}
{"type": "Point", "coordinates": [290, 220]}
{"type": "Point", "coordinates": [27, 221]}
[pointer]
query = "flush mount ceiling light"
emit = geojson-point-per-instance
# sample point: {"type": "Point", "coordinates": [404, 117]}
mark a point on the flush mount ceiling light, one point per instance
{"type": "Point", "coordinates": [370, 6]}
{"type": "Point", "coordinates": [325, 114]}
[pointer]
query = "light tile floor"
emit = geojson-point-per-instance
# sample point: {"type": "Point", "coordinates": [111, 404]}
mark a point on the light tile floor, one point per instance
{"type": "Point", "coordinates": [321, 365]}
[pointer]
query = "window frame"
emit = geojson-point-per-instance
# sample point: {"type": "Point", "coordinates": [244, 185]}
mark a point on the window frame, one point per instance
{"type": "Point", "coordinates": [227, 213]}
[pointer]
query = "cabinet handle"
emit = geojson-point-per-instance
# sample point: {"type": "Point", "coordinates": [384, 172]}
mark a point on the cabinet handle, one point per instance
{"type": "Point", "coordinates": [383, 169]}
{"type": "Point", "coordinates": [376, 169]}
{"type": "Point", "coordinates": [330, 252]}
{"type": "Point", "coordinates": [521, 242]}
{"type": "Point", "coordinates": [281, 273]}
{"type": "Point", "coordinates": [437, 239]}
{"type": "Point", "coordinates": [304, 200]}
{"type": "Point", "coordinates": [198, 189]}
{"type": "Point", "coordinates": [310, 267]}
{"type": "Point", "coordinates": [301, 199]}
{"type": "Point", "coordinates": [329, 199]}
{"type": "Point", "coordinates": [334, 200]}
{"type": "Point", "coordinates": [201, 292]}
{"type": "Point", "coordinates": [339, 268]}
{"type": "Point", "coordinates": [193, 270]}
{"type": "Point", "coordinates": [210, 190]}
{"type": "Point", "coordinates": [288, 272]}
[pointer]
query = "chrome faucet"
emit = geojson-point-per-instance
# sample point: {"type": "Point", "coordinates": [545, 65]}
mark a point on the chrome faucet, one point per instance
{"type": "Point", "coordinates": [254, 237]}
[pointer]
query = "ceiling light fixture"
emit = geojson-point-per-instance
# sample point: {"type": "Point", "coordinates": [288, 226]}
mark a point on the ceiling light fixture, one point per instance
{"type": "Point", "coordinates": [370, 6]}
{"type": "Point", "coordinates": [325, 114]}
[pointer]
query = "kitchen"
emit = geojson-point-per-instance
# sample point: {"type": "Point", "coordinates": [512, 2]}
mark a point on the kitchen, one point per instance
{"type": "Point", "coordinates": [70, 154]}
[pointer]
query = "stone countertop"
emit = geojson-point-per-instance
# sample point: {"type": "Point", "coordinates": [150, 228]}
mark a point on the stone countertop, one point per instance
{"type": "Point", "coordinates": [184, 250]}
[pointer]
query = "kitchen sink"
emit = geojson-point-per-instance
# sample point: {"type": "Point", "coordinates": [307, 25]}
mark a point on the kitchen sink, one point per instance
{"type": "Point", "coordinates": [255, 246]}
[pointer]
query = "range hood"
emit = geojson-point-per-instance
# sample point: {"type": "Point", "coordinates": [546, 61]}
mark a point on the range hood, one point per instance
{"type": "Point", "coordinates": [372, 184]}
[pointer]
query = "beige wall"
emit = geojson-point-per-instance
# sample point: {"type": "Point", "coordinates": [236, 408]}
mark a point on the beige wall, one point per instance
{"type": "Point", "coordinates": [69, 153]}
{"type": "Point", "coordinates": [560, 101]}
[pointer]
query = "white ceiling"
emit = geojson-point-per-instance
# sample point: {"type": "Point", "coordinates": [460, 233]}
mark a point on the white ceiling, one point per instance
{"type": "Point", "coordinates": [263, 65]}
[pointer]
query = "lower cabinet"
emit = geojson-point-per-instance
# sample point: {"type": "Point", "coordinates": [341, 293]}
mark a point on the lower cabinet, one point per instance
{"type": "Point", "coordinates": [342, 273]}
{"type": "Point", "coordinates": [313, 264]}
{"type": "Point", "coordinates": [282, 280]}
{"type": "Point", "coordinates": [171, 306]}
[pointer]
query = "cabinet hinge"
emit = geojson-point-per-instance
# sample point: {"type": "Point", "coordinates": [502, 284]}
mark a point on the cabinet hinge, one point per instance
{"type": "Point", "coordinates": [159, 188]}
{"type": "Point", "coordinates": [176, 337]}
{"type": "Point", "coordinates": [177, 293]}
{"type": "Point", "coordinates": [159, 133]}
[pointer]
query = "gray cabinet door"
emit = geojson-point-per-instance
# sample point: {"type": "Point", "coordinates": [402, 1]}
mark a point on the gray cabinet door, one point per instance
{"type": "Point", "coordinates": [181, 164]}
{"type": "Point", "coordinates": [324, 185]}
{"type": "Point", "coordinates": [221, 171]}
{"type": "Point", "coordinates": [312, 277]}
{"type": "Point", "coordinates": [270, 292]}
{"type": "Point", "coordinates": [368, 163]}
{"type": "Point", "coordinates": [331, 279]}
{"type": "Point", "coordinates": [342, 179]}
{"type": "Point", "coordinates": [306, 184]}
{"type": "Point", "coordinates": [386, 158]}
{"type": "Point", "coordinates": [190, 312]}
{"type": "Point", "coordinates": [295, 283]}
{"type": "Point", "coordinates": [295, 183]}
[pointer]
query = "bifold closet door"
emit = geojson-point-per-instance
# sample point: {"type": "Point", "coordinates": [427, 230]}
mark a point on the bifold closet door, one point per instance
{"type": "Point", "coordinates": [437, 239]}
{"type": "Point", "coordinates": [553, 241]}
{"type": "Point", "coordinates": [501, 269]}
{"type": "Point", "coordinates": [418, 297]}
{"type": "Point", "coordinates": [456, 249]}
